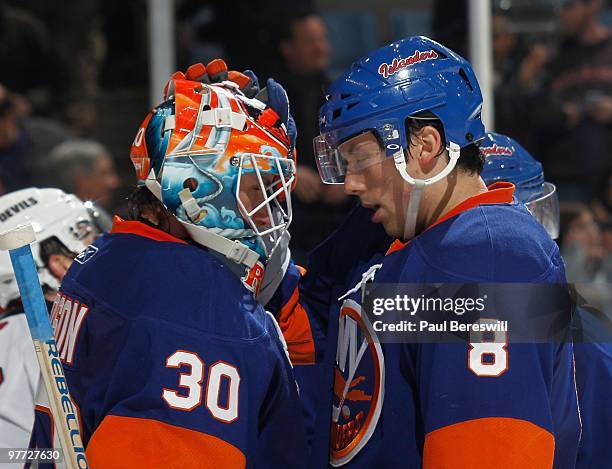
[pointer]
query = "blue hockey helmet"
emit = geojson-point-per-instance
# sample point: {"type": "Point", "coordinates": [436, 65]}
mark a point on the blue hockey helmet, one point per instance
{"type": "Point", "coordinates": [506, 160]}
{"type": "Point", "coordinates": [393, 83]}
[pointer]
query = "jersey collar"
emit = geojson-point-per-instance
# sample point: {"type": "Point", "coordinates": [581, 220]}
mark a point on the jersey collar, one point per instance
{"type": "Point", "coordinates": [140, 229]}
{"type": "Point", "coordinates": [497, 193]}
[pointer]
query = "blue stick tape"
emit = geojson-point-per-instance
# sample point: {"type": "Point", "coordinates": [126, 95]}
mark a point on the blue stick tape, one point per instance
{"type": "Point", "coordinates": [31, 293]}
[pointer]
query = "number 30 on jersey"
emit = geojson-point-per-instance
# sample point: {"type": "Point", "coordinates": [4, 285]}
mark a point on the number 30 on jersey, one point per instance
{"type": "Point", "coordinates": [225, 410]}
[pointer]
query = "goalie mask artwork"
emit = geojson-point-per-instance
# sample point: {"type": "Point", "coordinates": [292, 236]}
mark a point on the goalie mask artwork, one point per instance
{"type": "Point", "coordinates": [221, 163]}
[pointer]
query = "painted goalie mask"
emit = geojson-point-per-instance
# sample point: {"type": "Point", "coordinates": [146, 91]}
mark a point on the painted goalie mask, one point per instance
{"type": "Point", "coordinates": [203, 152]}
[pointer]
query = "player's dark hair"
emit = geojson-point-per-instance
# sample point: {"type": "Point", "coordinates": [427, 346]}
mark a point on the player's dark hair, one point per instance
{"type": "Point", "coordinates": [142, 201]}
{"type": "Point", "coordinates": [471, 159]}
{"type": "Point", "coordinates": [50, 246]}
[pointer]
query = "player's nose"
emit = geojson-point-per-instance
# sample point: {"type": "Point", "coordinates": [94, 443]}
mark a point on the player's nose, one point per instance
{"type": "Point", "coordinates": [354, 184]}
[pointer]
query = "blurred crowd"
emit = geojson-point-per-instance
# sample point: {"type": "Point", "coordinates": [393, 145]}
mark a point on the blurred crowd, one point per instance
{"type": "Point", "coordinates": [73, 88]}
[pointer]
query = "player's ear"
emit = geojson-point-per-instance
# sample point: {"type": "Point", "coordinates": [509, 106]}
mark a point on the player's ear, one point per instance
{"type": "Point", "coordinates": [58, 265]}
{"type": "Point", "coordinates": [430, 142]}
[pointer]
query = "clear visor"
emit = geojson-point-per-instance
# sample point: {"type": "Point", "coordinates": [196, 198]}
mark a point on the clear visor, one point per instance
{"type": "Point", "coordinates": [263, 193]}
{"type": "Point", "coordinates": [546, 209]}
{"type": "Point", "coordinates": [336, 156]}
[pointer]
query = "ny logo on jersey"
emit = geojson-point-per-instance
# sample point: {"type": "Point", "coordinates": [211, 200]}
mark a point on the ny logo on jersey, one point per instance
{"type": "Point", "coordinates": [67, 316]}
{"type": "Point", "coordinates": [358, 384]}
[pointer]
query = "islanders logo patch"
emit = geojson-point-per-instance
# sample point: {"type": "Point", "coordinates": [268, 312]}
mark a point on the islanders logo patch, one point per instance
{"type": "Point", "coordinates": [359, 378]}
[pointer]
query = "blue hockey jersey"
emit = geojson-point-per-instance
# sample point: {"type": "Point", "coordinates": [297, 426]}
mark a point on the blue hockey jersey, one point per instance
{"type": "Point", "coordinates": [593, 358]}
{"type": "Point", "coordinates": [171, 361]}
{"type": "Point", "coordinates": [420, 405]}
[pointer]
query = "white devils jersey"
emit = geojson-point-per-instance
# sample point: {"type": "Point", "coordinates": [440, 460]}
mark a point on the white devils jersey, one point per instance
{"type": "Point", "coordinates": [19, 377]}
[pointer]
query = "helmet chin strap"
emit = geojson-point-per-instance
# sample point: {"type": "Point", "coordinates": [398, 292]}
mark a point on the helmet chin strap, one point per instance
{"type": "Point", "coordinates": [234, 250]}
{"type": "Point", "coordinates": [419, 184]}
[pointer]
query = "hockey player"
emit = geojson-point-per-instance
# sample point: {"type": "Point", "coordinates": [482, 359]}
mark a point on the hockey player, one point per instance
{"type": "Point", "coordinates": [64, 228]}
{"type": "Point", "coordinates": [507, 160]}
{"type": "Point", "coordinates": [401, 130]}
{"type": "Point", "coordinates": [175, 364]}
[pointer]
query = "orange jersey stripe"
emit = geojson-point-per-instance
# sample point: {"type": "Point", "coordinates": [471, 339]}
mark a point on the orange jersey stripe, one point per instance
{"type": "Point", "coordinates": [127, 442]}
{"type": "Point", "coordinates": [498, 193]}
{"type": "Point", "coordinates": [494, 442]}
{"type": "Point", "coordinates": [295, 326]}
{"type": "Point", "coordinates": [138, 228]}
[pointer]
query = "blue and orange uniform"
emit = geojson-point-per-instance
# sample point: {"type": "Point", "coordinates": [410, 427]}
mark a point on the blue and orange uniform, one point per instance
{"type": "Point", "coordinates": [171, 361]}
{"type": "Point", "coordinates": [421, 405]}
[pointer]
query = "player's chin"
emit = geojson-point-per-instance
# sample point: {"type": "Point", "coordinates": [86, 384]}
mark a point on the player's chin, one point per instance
{"type": "Point", "coordinates": [392, 229]}
{"type": "Point", "coordinates": [262, 223]}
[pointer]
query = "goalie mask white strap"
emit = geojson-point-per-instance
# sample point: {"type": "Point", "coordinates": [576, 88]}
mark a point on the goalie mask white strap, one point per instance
{"type": "Point", "coordinates": [169, 123]}
{"type": "Point", "coordinates": [154, 186]}
{"type": "Point", "coordinates": [254, 102]}
{"type": "Point", "coordinates": [192, 209]}
{"type": "Point", "coordinates": [234, 250]}
{"type": "Point", "coordinates": [223, 117]}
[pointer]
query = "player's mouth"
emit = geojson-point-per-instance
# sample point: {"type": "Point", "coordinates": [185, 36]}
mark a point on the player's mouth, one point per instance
{"type": "Point", "coordinates": [377, 217]}
{"type": "Point", "coordinates": [262, 221]}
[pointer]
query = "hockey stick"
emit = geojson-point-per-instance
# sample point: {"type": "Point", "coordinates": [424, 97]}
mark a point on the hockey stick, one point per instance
{"type": "Point", "coordinates": [17, 243]}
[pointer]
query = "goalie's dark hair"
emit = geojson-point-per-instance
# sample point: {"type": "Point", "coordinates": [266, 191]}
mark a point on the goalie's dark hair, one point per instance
{"type": "Point", "coordinates": [471, 159]}
{"type": "Point", "coordinates": [141, 202]}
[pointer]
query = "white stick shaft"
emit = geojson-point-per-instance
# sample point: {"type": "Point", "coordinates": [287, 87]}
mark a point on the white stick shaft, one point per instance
{"type": "Point", "coordinates": [17, 242]}
{"type": "Point", "coordinates": [62, 408]}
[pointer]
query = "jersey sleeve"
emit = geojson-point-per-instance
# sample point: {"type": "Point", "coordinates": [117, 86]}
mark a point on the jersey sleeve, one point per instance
{"type": "Point", "coordinates": [154, 394]}
{"type": "Point", "coordinates": [497, 406]}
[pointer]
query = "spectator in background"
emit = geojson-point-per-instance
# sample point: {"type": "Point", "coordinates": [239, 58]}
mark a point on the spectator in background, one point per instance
{"type": "Point", "coordinates": [12, 170]}
{"type": "Point", "coordinates": [520, 67]}
{"type": "Point", "coordinates": [24, 143]}
{"type": "Point", "coordinates": [602, 204]}
{"type": "Point", "coordinates": [51, 56]}
{"type": "Point", "coordinates": [86, 169]}
{"type": "Point", "coordinates": [305, 54]}
{"type": "Point", "coordinates": [25, 51]}
{"type": "Point", "coordinates": [581, 244]}
{"type": "Point", "coordinates": [573, 112]}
